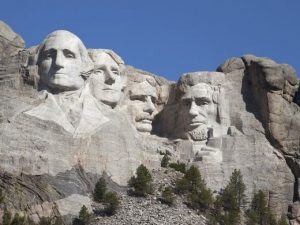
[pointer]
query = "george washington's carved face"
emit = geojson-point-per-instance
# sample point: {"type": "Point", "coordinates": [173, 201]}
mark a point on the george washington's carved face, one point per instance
{"type": "Point", "coordinates": [61, 61]}
{"type": "Point", "coordinates": [195, 106]}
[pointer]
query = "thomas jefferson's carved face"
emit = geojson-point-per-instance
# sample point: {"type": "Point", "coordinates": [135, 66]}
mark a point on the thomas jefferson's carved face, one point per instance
{"type": "Point", "coordinates": [195, 106]}
{"type": "Point", "coordinates": [60, 62]}
{"type": "Point", "coordinates": [142, 108]}
{"type": "Point", "coordinates": [107, 82]}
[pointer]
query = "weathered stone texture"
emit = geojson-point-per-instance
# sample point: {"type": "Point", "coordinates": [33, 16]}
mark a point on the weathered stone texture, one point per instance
{"type": "Point", "coordinates": [57, 139]}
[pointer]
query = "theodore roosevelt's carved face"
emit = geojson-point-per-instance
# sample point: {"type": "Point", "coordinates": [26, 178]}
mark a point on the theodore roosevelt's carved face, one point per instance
{"type": "Point", "coordinates": [143, 97]}
{"type": "Point", "coordinates": [195, 106]}
{"type": "Point", "coordinates": [61, 60]}
{"type": "Point", "coordinates": [107, 82]}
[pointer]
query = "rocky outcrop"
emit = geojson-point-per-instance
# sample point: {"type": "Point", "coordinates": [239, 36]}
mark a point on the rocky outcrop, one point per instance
{"type": "Point", "coordinates": [270, 91]}
{"type": "Point", "coordinates": [10, 43]}
{"type": "Point", "coordinates": [59, 135]}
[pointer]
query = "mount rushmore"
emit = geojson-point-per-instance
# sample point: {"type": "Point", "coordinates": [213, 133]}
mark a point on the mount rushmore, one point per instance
{"type": "Point", "coordinates": [69, 114]}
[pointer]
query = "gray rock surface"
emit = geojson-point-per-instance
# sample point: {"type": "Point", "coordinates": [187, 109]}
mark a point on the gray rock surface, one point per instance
{"type": "Point", "coordinates": [150, 210]}
{"type": "Point", "coordinates": [10, 43]}
{"type": "Point", "coordinates": [55, 144]}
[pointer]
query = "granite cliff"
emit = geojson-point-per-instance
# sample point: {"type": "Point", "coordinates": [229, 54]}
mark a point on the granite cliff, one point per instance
{"type": "Point", "coordinates": [70, 114]}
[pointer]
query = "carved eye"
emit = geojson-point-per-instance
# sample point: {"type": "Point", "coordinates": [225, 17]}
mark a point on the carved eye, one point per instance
{"type": "Point", "coordinates": [141, 98]}
{"type": "Point", "coordinates": [201, 101]}
{"type": "Point", "coordinates": [69, 54]}
{"type": "Point", "coordinates": [99, 71]}
{"type": "Point", "coordinates": [153, 99]}
{"type": "Point", "coordinates": [115, 71]}
{"type": "Point", "coordinates": [48, 55]}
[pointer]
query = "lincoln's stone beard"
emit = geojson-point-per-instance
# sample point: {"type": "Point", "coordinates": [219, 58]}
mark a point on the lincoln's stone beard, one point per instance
{"type": "Point", "coordinates": [198, 134]}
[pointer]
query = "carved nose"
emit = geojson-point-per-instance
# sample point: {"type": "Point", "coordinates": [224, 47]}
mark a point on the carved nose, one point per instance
{"type": "Point", "coordinates": [149, 106]}
{"type": "Point", "coordinates": [193, 109]}
{"type": "Point", "coordinates": [59, 60]}
{"type": "Point", "coordinates": [110, 78]}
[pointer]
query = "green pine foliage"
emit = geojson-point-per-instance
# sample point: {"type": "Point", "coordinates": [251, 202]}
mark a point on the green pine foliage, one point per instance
{"type": "Point", "coordinates": [228, 205]}
{"type": "Point", "coordinates": [45, 221]}
{"type": "Point", "coordinates": [141, 184]}
{"type": "Point", "coordinates": [110, 199]}
{"type": "Point", "coordinates": [192, 184]}
{"type": "Point", "coordinates": [18, 220]}
{"type": "Point", "coordinates": [112, 203]}
{"type": "Point", "coordinates": [180, 167]}
{"type": "Point", "coordinates": [233, 197]}
{"type": "Point", "coordinates": [200, 199]}
{"type": "Point", "coordinates": [167, 196]}
{"type": "Point", "coordinates": [100, 189]}
{"type": "Point", "coordinates": [49, 221]}
{"type": "Point", "coordinates": [84, 216]}
{"type": "Point", "coordinates": [6, 219]}
{"type": "Point", "coordinates": [259, 212]}
{"type": "Point", "coordinates": [1, 197]}
{"type": "Point", "coordinates": [165, 161]}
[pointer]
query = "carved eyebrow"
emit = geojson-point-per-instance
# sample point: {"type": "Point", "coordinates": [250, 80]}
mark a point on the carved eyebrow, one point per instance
{"type": "Point", "coordinates": [142, 95]}
{"type": "Point", "coordinates": [114, 68]}
{"type": "Point", "coordinates": [205, 99]}
{"type": "Point", "coordinates": [67, 51]}
{"type": "Point", "coordinates": [49, 51]}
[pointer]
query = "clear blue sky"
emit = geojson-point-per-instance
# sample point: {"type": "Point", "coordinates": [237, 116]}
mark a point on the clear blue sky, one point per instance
{"type": "Point", "coordinates": [167, 37]}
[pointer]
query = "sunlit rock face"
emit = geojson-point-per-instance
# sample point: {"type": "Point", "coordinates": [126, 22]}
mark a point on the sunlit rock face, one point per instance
{"type": "Point", "coordinates": [141, 103]}
{"type": "Point", "coordinates": [61, 59]}
{"type": "Point", "coordinates": [108, 82]}
{"type": "Point", "coordinates": [200, 105]}
{"type": "Point", "coordinates": [68, 115]}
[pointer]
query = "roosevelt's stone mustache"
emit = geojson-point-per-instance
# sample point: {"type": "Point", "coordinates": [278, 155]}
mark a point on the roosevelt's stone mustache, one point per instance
{"type": "Point", "coordinates": [143, 117]}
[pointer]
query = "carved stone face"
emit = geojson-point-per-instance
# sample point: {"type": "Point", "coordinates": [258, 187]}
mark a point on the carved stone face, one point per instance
{"type": "Point", "coordinates": [142, 106]}
{"type": "Point", "coordinates": [195, 107]}
{"type": "Point", "coordinates": [60, 62]}
{"type": "Point", "coordinates": [107, 83]}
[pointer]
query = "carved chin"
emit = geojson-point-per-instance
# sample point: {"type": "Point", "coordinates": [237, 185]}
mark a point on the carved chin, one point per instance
{"type": "Point", "coordinates": [144, 127]}
{"type": "Point", "coordinates": [63, 81]}
{"type": "Point", "coordinates": [109, 96]}
{"type": "Point", "coordinates": [199, 134]}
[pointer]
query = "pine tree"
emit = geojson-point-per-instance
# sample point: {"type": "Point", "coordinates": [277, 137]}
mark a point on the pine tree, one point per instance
{"type": "Point", "coordinates": [100, 189]}
{"type": "Point", "coordinates": [198, 195]}
{"type": "Point", "coordinates": [45, 221]}
{"type": "Point", "coordinates": [18, 220]}
{"type": "Point", "coordinates": [233, 197]}
{"type": "Point", "coordinates": [165, 161]}
{"type": "Point", "coordinates": [259, 212]}
{"type": "Point", "coordinates": [142, 183]}
{"type": "Point", "coordinates": [180, 167]}
{"type": "Point", "coordinates": [167, 196]}
{"type": "Point", "coordinates": [231, 200]}
{"type": "Point", "coordinates": [1, 197]}
{"type": "Point", "coordinates": [112, 203]}
{"type": "Point", "coordinates": [194, 177]}
{"type": "Point", "coordinates": [6, 219]}
{"type": "Point", "coordinates": [84, 216]}
{"type": "Point", "coordinates": [181, 186]}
